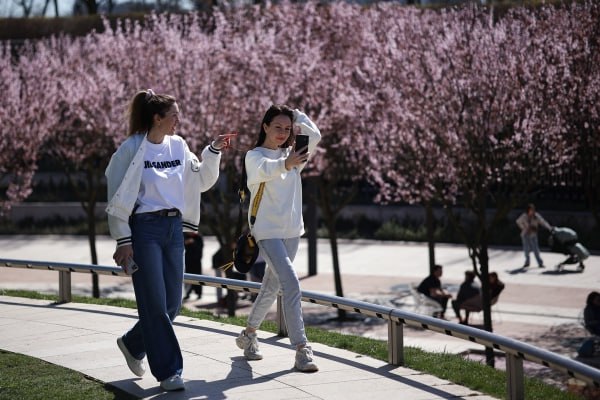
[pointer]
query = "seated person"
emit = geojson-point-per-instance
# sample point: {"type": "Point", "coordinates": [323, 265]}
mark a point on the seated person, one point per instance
{"type": "Point", "coordinates": [475, 303]}
{"type": "Point", "coordinates": [432, 288]}
{"type": "Point", "coordinates": [469, 292]}
{"type": "Point", "coordinates": [496, 286]}
{"type": "Point", "coordinates": [591, 313]}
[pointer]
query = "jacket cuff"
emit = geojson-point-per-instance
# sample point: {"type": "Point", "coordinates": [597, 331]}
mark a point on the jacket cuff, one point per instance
{"type": "Point", "coordinates": [213, 149]}
{"type": "Point", "coordinates": [123, 241]}
{"type": "Point", "coordinates": [189, 227]}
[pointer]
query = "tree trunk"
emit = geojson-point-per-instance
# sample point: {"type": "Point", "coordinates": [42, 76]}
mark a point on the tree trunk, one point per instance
{"type": "Point", "coordinates": [27, 8]}
{"type": "Point", "coordinates": [91, 224]}
{"type": "Point", "coordinates": [336, 266]}
{"type": "Point", "coordinates": [430, 224]}
{"type": "Point", "coordinates": [330, 218]}
{"type": "Point", "coordinates": [45, 8]}
{"type": "Point", "coordinates": [92, 7]}
{"type": "Point", "coordinates": [483, 257]}
{"type": "Point", "coordinates": [485, 299]}
{"type": "Point", "coordinates": [311, 224]}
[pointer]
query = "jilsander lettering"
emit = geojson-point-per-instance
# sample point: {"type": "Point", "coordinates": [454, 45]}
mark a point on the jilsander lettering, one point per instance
{"type": "Point", "coordinates": [162, 164]}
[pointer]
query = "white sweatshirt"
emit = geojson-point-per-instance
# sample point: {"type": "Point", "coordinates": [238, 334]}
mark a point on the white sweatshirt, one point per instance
{"type": "Point", "coordinates": [280, 211]}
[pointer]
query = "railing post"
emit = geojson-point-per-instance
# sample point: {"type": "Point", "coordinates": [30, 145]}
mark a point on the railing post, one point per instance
{"type": "Point", "coordinates": [64, 286]}
{"type": "Point", "coordinates": [281, 326]}
{"type": "Point", "coordinates": [395, 343]}
{"type": "Point", "coordinates": [514, 377]}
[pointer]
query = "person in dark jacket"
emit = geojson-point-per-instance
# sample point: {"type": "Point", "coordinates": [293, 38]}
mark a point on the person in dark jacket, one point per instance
{"type": "Point", "coordinates": [591, 313]}
{"type": "Point", "coordinates": [475, 303]}
{"type": "Point", "coordinates": [468, 291]}
{"type": "Point", "coordinates": [432, 287]}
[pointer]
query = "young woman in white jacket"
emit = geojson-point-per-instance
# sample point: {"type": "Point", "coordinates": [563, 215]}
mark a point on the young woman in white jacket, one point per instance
{"type": "Point", "coordinates": [279, 225]}
{"type": "Point", "coordinates": [154, 183]}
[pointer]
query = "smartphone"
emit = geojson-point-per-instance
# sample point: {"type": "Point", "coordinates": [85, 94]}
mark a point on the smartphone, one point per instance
{"type": "Point", "coordinates": [130, 267]}
{"type": "Point", "coordinates": [301, 141]}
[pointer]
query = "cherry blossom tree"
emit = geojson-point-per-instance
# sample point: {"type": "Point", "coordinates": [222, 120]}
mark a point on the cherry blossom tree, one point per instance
{"type": "Point", "coordinates": [92, 102]}
{"type": "Point", "coordinates": [577, 33]}
{"type": "Point", "coordinates": [476, 124]}
{"type": "Point", "coordinates": [405, 50]}
{"type": "Point", "coordinates": [336, 96]}
{"type": "Point", "coordinates": [27, 114]}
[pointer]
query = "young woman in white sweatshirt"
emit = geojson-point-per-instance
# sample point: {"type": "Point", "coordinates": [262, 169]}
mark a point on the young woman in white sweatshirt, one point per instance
{"type": "Point", "coordinates": [279, 225]}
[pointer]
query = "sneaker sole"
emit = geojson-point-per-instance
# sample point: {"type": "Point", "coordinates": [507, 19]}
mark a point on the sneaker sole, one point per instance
{"type": "Point", "coordinates": [172, 389]}
{"type": "Point", "coordinates": [312, 368]}
{"type": "Point", "coordinates": [253, 357]}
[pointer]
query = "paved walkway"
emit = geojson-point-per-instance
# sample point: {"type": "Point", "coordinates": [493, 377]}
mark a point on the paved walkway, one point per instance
{"type": "Point", "coordinates": [82, 337]}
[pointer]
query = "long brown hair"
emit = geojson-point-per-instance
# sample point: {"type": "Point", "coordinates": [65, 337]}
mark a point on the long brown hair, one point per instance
{"type": "Point", "coordinates": [143, 107]}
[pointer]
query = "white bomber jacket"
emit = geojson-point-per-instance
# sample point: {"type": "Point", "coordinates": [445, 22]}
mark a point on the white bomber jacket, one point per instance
{"type": "Point", "coordinates": [124, 177]}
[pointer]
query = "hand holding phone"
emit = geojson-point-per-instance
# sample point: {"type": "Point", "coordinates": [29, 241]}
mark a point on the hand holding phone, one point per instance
{"type": "Point", "coordinates": [130, 266]}
{"type": "Point", "coordinates": [301, 144]}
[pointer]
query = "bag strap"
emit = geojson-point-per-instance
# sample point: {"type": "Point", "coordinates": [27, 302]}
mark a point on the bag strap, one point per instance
{"type": "Point", "coordinates": [256, 203]}
{"type": "Point", "coordinates": [253, 210]}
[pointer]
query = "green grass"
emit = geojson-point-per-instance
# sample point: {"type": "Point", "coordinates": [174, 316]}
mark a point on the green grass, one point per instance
{"type": "Point", "coordinates": [451, 367]}
{"type": "Point", "coordinates": [23, 377]}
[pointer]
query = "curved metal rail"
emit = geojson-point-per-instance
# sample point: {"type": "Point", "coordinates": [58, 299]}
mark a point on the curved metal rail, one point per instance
{"type": "Point", "coordinates": [516, 351]}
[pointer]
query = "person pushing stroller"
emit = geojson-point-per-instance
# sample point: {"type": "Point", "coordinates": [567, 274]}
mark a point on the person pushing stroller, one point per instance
{"type": "Point", "coordinates": [529, 222]}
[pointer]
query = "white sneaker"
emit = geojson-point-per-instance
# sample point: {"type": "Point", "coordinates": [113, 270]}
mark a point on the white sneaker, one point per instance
{"type": "Point", "coordinates": [304, 360]}
{"type": "Point", "coordinates": [172, 383]}
{"type": "Point", "coordinates": [249, 343]}
{"type": "Point", "coordinates": [136, 366]}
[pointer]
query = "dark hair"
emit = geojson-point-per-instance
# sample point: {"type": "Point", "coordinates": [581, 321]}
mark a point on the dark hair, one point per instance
{"type": "Point", "coordinates": [531, 206]}
{"type": "Point", "coordinates": [591, 297]}
{"type": "Point", "coordinates": [271, 113]}
{"type": "Point", "coordinates": [469, 275]}
{"type": "Point", "coordinates": [436, 267]}
{"type": "Point", "coordinates": [144, 106]}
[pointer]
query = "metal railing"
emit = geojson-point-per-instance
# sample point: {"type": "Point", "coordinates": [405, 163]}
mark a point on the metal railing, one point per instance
{"type": "Point", "coordinates": [516, 351]}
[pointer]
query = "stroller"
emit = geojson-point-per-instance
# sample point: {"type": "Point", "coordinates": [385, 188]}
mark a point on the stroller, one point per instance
{"type": "Point", "coordinates": [564, 240]}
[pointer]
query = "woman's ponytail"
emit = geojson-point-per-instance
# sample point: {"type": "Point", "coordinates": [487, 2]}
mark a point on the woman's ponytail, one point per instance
{"type": "Point", "coordinates": [144, 105]}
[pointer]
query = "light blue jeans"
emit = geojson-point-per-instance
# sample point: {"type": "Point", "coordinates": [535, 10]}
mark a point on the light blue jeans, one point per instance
{"type": "Point", "coordinates": [158, 250]}
{"type": "Point", "coordinates": [530, 243]}
{"type": "Point", "coordinates": [280, 274]}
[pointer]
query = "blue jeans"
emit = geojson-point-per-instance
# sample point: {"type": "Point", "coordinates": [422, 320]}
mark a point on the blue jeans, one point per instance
{"type": "Point", "coordinates": [279, 255]}
{"type": "Point", "coordinates": [158, 250]}
{"type": "Point", "coordinates": [530, 243]}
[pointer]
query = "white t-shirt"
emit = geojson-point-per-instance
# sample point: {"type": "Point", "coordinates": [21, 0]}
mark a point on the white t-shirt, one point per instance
{"type": "Point", "coordinates": [162, 177]}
